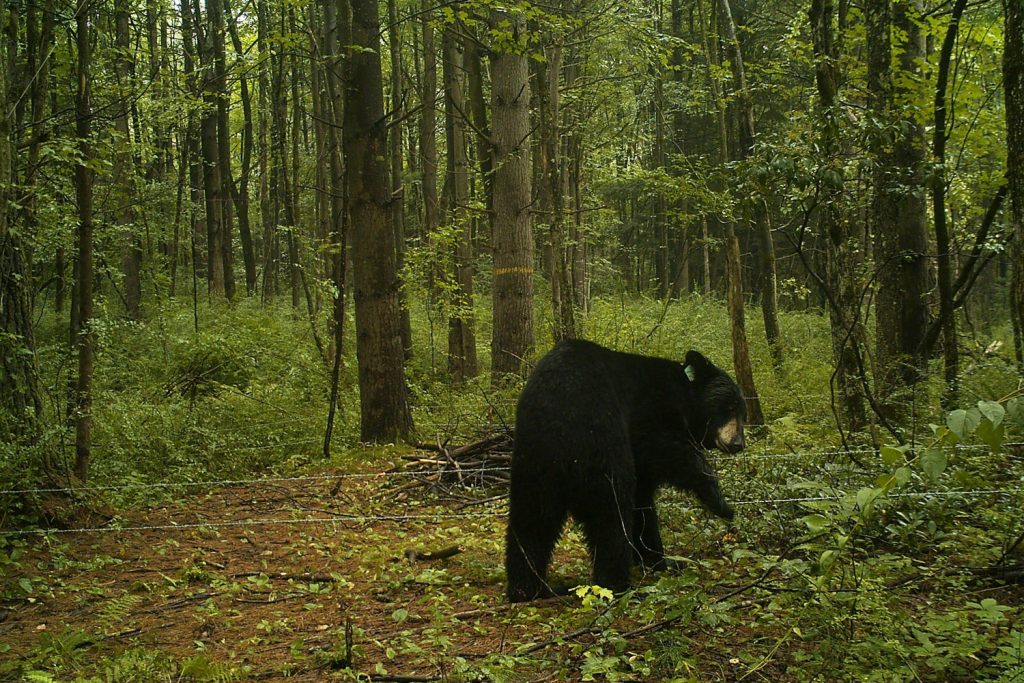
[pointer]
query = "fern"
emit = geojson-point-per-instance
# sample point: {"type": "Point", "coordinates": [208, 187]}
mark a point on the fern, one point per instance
{"type": "Point", "coordinates": [118, 610]}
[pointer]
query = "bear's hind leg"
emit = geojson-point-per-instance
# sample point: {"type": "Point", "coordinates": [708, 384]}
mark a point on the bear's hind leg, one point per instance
{"type": "Point", "coordinates": [530, 539]}
{"type": "Point", "coordinates": [609, 532]}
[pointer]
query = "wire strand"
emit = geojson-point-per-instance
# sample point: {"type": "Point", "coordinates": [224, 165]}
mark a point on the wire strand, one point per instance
{"type": "Point", "coordinates": [364, 519]}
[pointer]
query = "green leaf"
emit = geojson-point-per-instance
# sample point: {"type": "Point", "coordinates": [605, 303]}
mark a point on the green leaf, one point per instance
{"type": "Point", "coordinates": [1015, 409]}
{"type": "Point", "coordinates": [957, 422]}
{"type": "Point", "coordinates": [891, 456]}
{"type": "Point", "coordinates": [816, 522]}
{"type": "Point", "coordinates": [993, 411]}
{"type": "Point", "coordinates": [933, 462]}
{"type": "Point", "coordinates": [400, 614]}
{"type": "Point", "coordinates": [26, 585]}
{"type": "Point", "coordinates": [991, 435]}
{"type": "Point", "coordinates": [866, 496]}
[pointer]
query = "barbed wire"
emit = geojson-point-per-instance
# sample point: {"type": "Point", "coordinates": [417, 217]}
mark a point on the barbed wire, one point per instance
{"type": "Point", "coordinates": [469, 471]}
{"type": "Point", "coordinates": [367, 519]}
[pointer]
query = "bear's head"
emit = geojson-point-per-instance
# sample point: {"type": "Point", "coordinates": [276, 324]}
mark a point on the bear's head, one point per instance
{"type": "Point", "coordinates": [720, 411]}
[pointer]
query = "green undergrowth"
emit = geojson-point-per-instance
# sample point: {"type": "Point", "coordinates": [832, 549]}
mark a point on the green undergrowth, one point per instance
{"type": "Point", "coordinates": [859, 565]}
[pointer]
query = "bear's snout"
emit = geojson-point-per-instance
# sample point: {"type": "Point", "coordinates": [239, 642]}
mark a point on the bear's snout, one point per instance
{"type": "Point", "coordinates": [730, 437]}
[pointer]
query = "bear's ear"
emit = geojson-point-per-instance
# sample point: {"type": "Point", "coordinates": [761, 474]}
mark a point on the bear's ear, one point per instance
{"type": "Point", "coordinates": [695, 365]}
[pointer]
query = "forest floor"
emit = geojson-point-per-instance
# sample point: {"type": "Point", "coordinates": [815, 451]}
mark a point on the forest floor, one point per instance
{"type": "Point", "coordinates": [396, 574]}
{"type": "Point", "coordinates": [240, 582]}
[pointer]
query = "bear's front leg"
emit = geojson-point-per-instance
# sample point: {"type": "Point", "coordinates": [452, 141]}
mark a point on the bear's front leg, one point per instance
{"type": "Point", "coordinates": [647, 546]}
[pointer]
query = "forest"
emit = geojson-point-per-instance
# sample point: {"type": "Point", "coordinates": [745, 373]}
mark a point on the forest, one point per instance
{"type": "Point", "coordinates": [273, 274]}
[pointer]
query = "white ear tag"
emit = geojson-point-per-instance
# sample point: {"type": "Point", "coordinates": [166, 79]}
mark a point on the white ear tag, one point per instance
{"type": "Point", "coordinates": [690, 374]}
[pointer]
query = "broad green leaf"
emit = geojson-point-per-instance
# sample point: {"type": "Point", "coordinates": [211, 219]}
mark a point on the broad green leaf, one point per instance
{"type": "Point", "coordinates": [866, 496]}
{"type": "Point", "coordinates": [891, 455]}
{"type": "Point", "coordinates": [933, 462]}
{"type": "Point", "coordinates": [991, 435]}
{"type": "Point", "coordinates": [993, 411]}
{"type": "Point", "coordinates": [957, 422]}
{"type": "Point", "coordinates": [816, 522]}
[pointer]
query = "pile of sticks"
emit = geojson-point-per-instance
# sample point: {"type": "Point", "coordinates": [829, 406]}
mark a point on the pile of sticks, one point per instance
{"type": "Point", "coordinates": [483, 463]}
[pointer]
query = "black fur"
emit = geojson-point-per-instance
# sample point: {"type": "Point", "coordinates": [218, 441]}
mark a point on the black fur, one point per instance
{"type": "Point", "coordinates": [597, 432]}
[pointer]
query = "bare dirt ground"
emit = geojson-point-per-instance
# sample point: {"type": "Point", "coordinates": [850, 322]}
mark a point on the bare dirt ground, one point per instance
{"type": "Point", "coordinates": [241, 582]}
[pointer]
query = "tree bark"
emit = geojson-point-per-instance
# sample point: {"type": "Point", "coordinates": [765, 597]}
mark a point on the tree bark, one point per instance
{"type": "Point", "coordinates": [951, 353]}
{"type": "Point", "coordinates": [1013, 92]}
{"type": "Point", "coordinates": [124, 168]}
{"type": "Point", "coordinates": [212, 184]}
{"type": "Point", "coordinates": [383, 394]}
{"type": "Point", "coordinates": [737, 319]}
{"type": "Point", "coordinates": [462, 362]}
{"type": "Point", "coordinates": [395, 155]}
{"type": "Point", "coordinates": [552, 175]}
{"type": "Point", "coordinates": [766, 244]}
{"type": "Point", "coordinates": [240, 191]}
{"type": "Point", "coordinates": [898, 216]}
{"type": "Point", "coordinates": [512, 290]}
{"type": "Point", "coordinates": [19, 388]}
{"type": "Point", "coordinates": [83, 284]}
{"type": "Point", "coordinates": [336, 30]}
{"type": "Point", "coordinates": [842, 256]}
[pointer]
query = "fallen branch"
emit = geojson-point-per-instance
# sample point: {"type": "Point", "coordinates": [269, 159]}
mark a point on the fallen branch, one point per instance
{"type": "Point", "coordinates": [431, 555]}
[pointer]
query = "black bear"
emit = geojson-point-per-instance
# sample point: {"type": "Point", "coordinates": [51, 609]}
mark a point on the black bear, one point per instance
{"type": "Point", "coordinates": [597, 432]}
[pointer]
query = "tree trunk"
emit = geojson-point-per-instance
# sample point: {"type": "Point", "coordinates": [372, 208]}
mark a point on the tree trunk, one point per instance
{"type": "Point", "coordinates": [293, 207]}
{"type": "Point", "coordinates": [842, 256]}
{"type": "Point", "coordinates": [265, 144]}
{"type": "Point", "coordinates": [124, 169]}
{"type": "Point", "coordinates": [1013, 90]}
{"type": "Point", "coordinates": [383, 394]}
{"type": "Point", "coordinates": [898, 207]}
{"type": "Point", "coordinates": [462, 363]}
{"type": "Point", "coordinates": [19, 388]}
{"type": "Point", "coordinates": [395, 154]}
{"type": "Point", "coordinates": [552, 167]}
{"type": "Point", "coordinates": [212, 184]}
{"type": "Point", "coordinates": [512, 290]}
{"type": "Point", "coordinates": [478, 115]}
{"type": "Point", "coordinates": [428, 124]}
{"type": "Point", "coordinates": [762, 229]}
{"type": "Point", "coordinates": [951, 353]}
{"type": "Point", "coordinates": [336, 30]}
{"type": "Point", "coordinates": [83, 284]}
{"type": "Point", "coordinates": [240, 191]}
{"type": "Point", "coordinates": [734, 274]}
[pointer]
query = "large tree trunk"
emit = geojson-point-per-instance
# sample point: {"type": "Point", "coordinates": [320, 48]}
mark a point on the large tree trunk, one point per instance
{"type": "Point", "coordinates": [83, 284]}
{"type": "Point", "coordinates": [842, 256]}
{"type": "Point", "coordinates": [898, 208]}
{"type": "Point", "coordinates": [383, 393]}
{"type": "Point", "coordinates": [462, 363]}
{"type": "Point", "coordinates": [512, 290]}
{"type": "Point", "coordinates": [1013, 88]}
